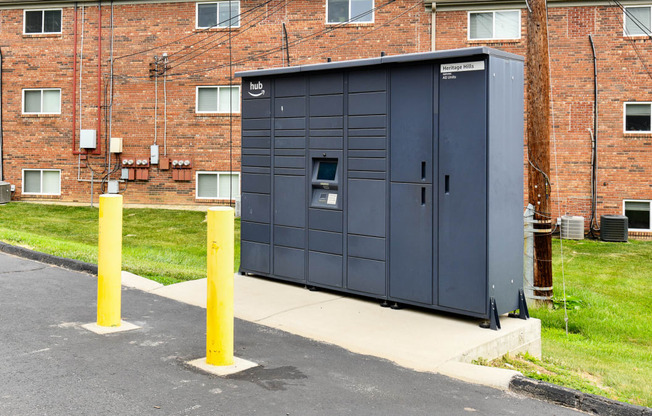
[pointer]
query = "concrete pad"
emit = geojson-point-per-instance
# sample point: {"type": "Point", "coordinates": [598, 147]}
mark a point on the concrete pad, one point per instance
{"type": "Point", "coordinates": [134, 281]}
{"type": "Point", "coordinates": [105, 330]}
{"type": "Point", "coordinates": [415, 339]}
{"type": "Point", "coordinates": [239, 364]}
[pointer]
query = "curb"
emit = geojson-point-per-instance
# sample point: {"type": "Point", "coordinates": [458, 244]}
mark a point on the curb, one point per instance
{"type": "Point", "coordinates": [76, 265]}
{"type": "Point", "coordinates": [586, 402]}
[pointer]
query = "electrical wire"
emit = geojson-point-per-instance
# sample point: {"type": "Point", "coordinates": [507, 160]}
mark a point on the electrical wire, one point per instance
{"type": "Point", "coordinates": [203, 30]}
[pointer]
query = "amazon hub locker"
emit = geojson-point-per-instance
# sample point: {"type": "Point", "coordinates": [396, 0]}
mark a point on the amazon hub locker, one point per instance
{"type": "Point", "coordinates": [398, 178]}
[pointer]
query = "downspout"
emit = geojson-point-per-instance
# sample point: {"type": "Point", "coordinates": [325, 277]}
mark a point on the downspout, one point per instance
{"type": "Point", "coordinates": [74, 91]}
{"type": "Point", "coordinates": [594, 159]}
{"type": "Point", "coordinates": [99, 80]}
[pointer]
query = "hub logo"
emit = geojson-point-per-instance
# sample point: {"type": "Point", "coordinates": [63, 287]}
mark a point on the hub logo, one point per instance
{"type": "Point", "coordinates": [256, 89]}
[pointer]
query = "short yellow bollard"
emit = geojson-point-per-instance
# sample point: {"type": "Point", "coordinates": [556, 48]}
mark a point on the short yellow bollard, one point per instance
{"type": "Point", "coordinates": [109, 261]}
{"type": "Point", "coordinates": [219, 305]}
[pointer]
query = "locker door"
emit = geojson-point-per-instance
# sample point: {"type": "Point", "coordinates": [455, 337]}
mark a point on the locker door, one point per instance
{"type": "Point", "coordinates": [410, 273]}
{"type": "Point", "coordinates": [462, 192]}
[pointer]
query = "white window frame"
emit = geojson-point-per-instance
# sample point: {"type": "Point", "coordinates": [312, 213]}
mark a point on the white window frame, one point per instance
{"type": "Point", "coordinates": [625, 32]}
{"type": "Point", "coordinates": [22, 104]}
{"type": "Point", "coordinates": [625, 118]}
{"type": "Point", "coordinates": [493, 21]}
{"type": "Point", "coordinates": [41, 182]}
{"type": "Point", "coordinates": [348, 22]}
{"type": "Point", "coordinates": [43, 32]}
{"type": "Point", "coordinates": [218, 173]}
{"type": "Point", "coordinates": [218, 99]}
{"type": "Point", "coordinates": [217, 26]}
{"type": "Point", "coordinates": [650, 213]}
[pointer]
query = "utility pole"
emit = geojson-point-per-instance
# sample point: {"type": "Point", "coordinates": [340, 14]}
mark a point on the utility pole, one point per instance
{"type": "Point", "coordinates": [538, 139]}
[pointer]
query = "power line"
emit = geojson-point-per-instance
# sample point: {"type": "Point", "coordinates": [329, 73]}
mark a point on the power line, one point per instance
{"type": "Point", "coordinates": [276, 49]}
{"type": "Point", "coordinates": [203, 30]}
{"type": "Point", "coordinates": [633, 41]}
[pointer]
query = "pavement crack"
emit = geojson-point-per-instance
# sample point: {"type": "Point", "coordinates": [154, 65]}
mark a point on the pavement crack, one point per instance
{"type": "Point", "coordinates": [26, 270]}
{"type": "Point", "coordinates": [295, 308]}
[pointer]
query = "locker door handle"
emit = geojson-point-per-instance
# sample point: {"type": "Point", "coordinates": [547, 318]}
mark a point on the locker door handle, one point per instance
{"type": "Point", "coordinates": [447, 184]}
{"type": "Point", "coordinates": [423, 170]}
{"type": "Point", "coordinates": [423, 195]}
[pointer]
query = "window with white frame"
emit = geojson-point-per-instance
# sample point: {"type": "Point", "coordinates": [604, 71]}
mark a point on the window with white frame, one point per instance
{"type": "Point", "coordinates": [218, 99]}
{"type": "Point", "coordinates": [502, 24]}
{"type": "Point", "coordinates": [218, 185]}
{"type": "Point", "coordinates": [638, 214]}
{"type": "Point", "coordinates": [350, 11]}
{"type": "Point", "coordinates": [42, 101]}
{"type": "Point", "coordinates": [218, 14]}
{"type": "Point", "coordinates": [638, 21]}
{"type": "Point", "coordinates": [41, 181]}
{"type": "Point", "coordinates": [42, 21]}
{"type": "Point", "coordinates": [638, 117]}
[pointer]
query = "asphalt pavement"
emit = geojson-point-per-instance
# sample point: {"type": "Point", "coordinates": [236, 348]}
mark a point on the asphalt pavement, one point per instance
{"type": "Point", "coordinates": [50, 365]}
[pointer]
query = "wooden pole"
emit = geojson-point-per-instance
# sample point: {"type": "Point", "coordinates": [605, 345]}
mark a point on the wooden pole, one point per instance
{"type": "Point", "coordinates": [538, 136]}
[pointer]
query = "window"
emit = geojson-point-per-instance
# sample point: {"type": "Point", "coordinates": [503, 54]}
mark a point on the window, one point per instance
{"type": "Point", "coordinates": [495, 25]}
{"type": "Point", "coordinates": [218, 185]}
{"type": "Point", "coordinates": [42, 101]}
{"type": "Point", "coordinates": [350, 11]}
{"type": "Point", "coordinates": [42, 21]}
{"type": "Point", "coordinates": [638, 215]}
{"type": "Point", "coordinates": [42, 181]}
{"type": "Point", "coordinates": [218, 99]}
{"type": "Point", "coordinates": [638, 117]}
{"type": "Point", "coordinates": [638, 21]}
{"type": "Point", "coordinates": [218, 14]}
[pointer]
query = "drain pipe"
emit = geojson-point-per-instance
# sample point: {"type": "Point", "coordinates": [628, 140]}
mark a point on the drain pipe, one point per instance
{"type": "Point", "coordinates": [594, 156]}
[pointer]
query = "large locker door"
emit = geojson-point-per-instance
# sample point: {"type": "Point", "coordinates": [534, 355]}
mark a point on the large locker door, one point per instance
{"type": "Point", "coordinates": [463, 189]}
{"type": "Point", "coordinates": [411, 189]}
{"type": "Point", "coordinates": [410, 270]}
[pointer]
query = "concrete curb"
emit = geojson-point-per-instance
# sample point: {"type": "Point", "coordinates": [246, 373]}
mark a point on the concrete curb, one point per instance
{"type": "Point", "coordinates": [76, 265]}
{"type": "Point", "coordinates": [575, 399]}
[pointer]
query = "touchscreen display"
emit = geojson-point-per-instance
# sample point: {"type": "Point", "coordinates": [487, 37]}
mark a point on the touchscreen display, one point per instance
{"type": "Point", "coordinates": [326, 171]}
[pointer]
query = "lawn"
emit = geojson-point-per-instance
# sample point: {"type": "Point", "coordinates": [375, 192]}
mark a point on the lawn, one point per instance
{"type": "Point", "coordinates": [168, 246]}
{"type": "Point", "coordinates": [608, 349]}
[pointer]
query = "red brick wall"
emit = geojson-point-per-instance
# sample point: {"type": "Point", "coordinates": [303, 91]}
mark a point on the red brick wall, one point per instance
{"type": "Point", "coordinates": [32, 61]}
{"type": "Point", "coordinates": [624, 160]}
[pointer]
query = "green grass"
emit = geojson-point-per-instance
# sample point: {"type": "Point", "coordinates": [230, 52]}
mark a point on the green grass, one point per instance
{"type": "Point", "coordinates": [608, 350]}
{"type": "Point", "coordinates": [168, 246]}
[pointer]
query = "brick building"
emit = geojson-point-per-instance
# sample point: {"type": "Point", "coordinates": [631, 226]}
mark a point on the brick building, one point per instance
{"type": "Point", "coordinates": [159, 73]}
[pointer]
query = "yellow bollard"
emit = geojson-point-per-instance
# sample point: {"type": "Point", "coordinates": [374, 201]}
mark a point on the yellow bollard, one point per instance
{"type": "Point", "coordinates": [109, 261]}
{"type": "Point", "coordinates": [219, 302]}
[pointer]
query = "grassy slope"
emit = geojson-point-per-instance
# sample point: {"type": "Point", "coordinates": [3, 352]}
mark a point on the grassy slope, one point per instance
{"type": "Point", "coordinates": [164, 245]}
{"type": "Point", "coordinates": [608, 350]}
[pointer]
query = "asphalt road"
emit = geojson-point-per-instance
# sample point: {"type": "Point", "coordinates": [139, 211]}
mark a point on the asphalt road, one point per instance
{"type": "Point", "coordinates": [50, 365]}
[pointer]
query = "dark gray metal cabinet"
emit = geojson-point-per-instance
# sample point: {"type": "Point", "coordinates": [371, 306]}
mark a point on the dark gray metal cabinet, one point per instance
{"type": "Point", "coordinates": [398, 178]}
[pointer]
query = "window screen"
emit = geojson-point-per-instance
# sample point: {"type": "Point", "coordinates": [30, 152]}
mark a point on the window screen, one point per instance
{"type": "Point", "coordinates": [32, 181]}
{"type": "Point", "coordinates": [43, 21]}
{"type": "Point", "coordinates": [207, 185]}
{"type": "Point", "coordinates": [495, 25]}
{"type": "Point", "coordinates": [358, 11]}
{"type": "Point", "coordinates": [638, 214]}
{"type": "Point", "coordinates": [638, 21]}
{"type": "Point", "coordinates": [638, 117]}
{"type": "Point", "coordinates": [219, 14]}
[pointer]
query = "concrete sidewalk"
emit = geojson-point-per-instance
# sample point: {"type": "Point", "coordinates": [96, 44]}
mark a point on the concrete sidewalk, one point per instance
{"type": "Point", "coordinates": [419, 340]}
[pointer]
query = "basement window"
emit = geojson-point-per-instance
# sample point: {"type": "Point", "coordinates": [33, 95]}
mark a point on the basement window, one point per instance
{"type": "Point", "coordinates": [41, 182]}
{"type": "Point", "coordinates": [218, 99]}
{"type": "Point", "coordinates": [504, 24]}
{"type": "Point", "coordinates": [218, 14]}
{"type": "Point", "coordinates": [218, 185]}
{"type": "Point", "coordinates": [350, 11]}
{"type": "Point", "coordinates": [42, 101]}
{"type": "Point", "coordinates": [638, 117]}
{"type": "Point", "coordinates": [42, 21]}
{"type": "Point", "coordinates": [638, 21]}
{"type": "Point", "coordinates": [638, 215]}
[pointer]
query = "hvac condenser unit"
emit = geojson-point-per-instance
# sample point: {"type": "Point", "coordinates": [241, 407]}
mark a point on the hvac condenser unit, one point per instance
{"type": "Point", "coordinates": [5, 192]}
{"type": "Point", "coordinates": [398, 178]}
